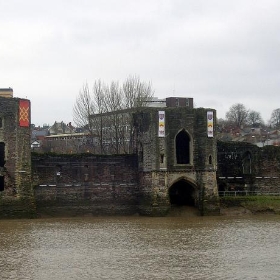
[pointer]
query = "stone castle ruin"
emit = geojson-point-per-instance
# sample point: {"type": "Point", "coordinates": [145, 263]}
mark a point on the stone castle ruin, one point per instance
{"type": "Point", "coordinates": [175, 164]}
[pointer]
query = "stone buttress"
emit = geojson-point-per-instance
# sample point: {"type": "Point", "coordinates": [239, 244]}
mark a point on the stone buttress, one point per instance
{"type": "Point", "coordinates": [16, 195]}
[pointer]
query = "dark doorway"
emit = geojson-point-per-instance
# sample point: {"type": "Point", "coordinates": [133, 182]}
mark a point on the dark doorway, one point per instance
{"type": "Point", "coordinates": [222, 189]}
{"type": "Point", "coordinates": [2, 163]}
{"type": "Point", "coordinates": [182, 193]}
{"type": "Point", "coordinates": [183, 148]}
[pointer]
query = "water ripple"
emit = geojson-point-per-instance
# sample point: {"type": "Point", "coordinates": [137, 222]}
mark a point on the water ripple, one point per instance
{"type": "Point", "coordinates": [141, 248]}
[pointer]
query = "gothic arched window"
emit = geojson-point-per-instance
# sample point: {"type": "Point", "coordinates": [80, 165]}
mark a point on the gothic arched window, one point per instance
{"type": "Point", "coordinates": [247, 163]}
{"type": "Point", "coordinates": [182, 148]}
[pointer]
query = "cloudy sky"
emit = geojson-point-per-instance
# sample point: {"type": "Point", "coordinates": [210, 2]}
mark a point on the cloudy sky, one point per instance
{"type": "Point", "coordinates": [219, 52]}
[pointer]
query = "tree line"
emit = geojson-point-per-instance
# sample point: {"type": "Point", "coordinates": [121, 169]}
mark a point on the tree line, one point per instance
{"type": "Point", "coordinates": [114, 132]}
{"type": "Point", "coordinates": [239, 116]}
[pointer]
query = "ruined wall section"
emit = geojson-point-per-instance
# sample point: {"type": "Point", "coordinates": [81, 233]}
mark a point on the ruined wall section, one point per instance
{"type": "Point", "coordinates": [85, 184]}
{"type": "Point", "coordinates": [267, 179]}
{"type": "Point", "coordinates": [8, 136]}
{"type": "Point", "coordinates": [246, 167]}
{"type": "Point", "coordinates": [16, 197]}
{"type": "Point", "coordinates": [230, 158]}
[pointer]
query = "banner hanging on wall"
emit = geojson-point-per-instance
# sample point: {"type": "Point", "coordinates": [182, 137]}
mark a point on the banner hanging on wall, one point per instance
{"type": "Point", "coordinates": [161, 123]}
{"type": "Point", "coordinates": [24, 113]}
{"type": "Point", "coordinates": [210, 124]}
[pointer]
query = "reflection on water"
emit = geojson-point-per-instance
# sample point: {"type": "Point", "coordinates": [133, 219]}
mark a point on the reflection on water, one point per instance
{"type": "Point", "coordinates": [141, 248]}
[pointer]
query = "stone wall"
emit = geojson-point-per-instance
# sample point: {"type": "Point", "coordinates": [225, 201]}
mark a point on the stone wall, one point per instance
{"type": "Point", "coordinates": [267, 177]}
{"type": "Point", "coordinates": [246, 167]}
{"type": "Point", "coordinates": [85, 184]}
{"type": "Point", "coordinates": [16, 196]}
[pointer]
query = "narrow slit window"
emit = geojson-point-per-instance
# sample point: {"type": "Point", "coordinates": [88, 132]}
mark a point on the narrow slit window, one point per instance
{"type": "Point", "coordinates": [2, 163]}
{"type": "Point", "coordinates": [162, 158]}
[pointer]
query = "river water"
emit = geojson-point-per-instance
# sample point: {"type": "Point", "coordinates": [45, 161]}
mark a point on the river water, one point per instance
{"type": "Point", "coordinates": [141, 248]}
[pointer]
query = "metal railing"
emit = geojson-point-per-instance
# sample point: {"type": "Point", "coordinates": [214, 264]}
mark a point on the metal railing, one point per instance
{"type": "Point", "coordinates": [244, 193]}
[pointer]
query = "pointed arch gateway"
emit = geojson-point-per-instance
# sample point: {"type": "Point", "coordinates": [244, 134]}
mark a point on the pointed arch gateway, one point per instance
{"type": "Point", "coordinates": [182, 193]}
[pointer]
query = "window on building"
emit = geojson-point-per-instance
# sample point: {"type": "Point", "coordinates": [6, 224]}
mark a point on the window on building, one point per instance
{"type": "Point", "coordinates": [2, 154]}
{"type": "Point", "coordinates": [247, 163]}
{"type": "Point", "coordinates": [210, 159]}
{"type": "Point", "coordinates": [183, 148]}
{"type": "Point", "coordinates": [58, 170]}
{"type": "Point", "coordinates": [187, 102]}
{"type": "Point", "coordinates": [1, 183]}
{"type": "Point", "coordinates": [1, 122]}
{"type": "Point", "coordinates": [177, 102]}
{"type": "Point", "coordinates": [161, 158]}
{"type": "Point", "coordinates": [86, 173]}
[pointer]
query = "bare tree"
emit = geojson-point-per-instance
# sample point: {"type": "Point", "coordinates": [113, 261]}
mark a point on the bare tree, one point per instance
{"type": "Point", "coordinates": [107, 115]}
{"type": "Point", "coordinates": [113, 97]}
{"type": "Point", "coordinates": [89, 103]}
{"type": "Point", "coordinates": [99, 92]}
{"type": "Point", "coordinates": [83, 108]}
{"type": "Point", "coordinates": [254, 118]}
{"type": "Point", "coordinates": [275, 118]}
{"type": "Point", "coordinates": [237, 115]}
{"type": "Point", "coordinates": [136, 93]}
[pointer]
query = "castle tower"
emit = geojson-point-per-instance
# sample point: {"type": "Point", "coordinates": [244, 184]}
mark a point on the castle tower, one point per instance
{"type": "Point", "coordinates": [177, 159]}
{"type": "Point", "coordinates": [16, 196]}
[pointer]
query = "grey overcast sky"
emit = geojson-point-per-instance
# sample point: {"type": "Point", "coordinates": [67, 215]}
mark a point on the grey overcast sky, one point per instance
{"type": "Point", "coordinates": [220, 52]}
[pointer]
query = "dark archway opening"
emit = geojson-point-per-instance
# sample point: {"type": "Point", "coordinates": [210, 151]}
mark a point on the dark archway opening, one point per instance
{"type": "Point", "coordinates": [183, 148]}
{"type": "Point", "coordinates": [181, 194]}
{"type": "Point", "coordinates": [222, 189]}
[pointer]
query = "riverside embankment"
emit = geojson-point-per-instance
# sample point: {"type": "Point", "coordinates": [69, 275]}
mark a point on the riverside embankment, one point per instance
{"type": "Point", "coordinates": [242, 205]}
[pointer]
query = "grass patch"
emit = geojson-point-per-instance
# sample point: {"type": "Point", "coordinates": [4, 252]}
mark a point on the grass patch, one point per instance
{"type": "Point", "coordinates": [253, 203]}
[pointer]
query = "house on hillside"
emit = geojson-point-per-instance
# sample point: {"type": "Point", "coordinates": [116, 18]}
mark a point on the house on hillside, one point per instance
{"type": "Point", "coordinates": [61, 128]}
{"type": "Point", "coordinates": [254, 135]}
{"type": "Point", "coordinates": [38, 135]}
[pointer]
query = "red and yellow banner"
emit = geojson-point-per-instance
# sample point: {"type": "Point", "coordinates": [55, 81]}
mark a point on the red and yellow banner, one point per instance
{"type": "Point", "coordinates": [24, 113]}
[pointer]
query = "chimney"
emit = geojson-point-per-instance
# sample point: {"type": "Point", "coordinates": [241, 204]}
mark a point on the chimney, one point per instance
{"type": "Point", "coordinates": [6, 92]}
